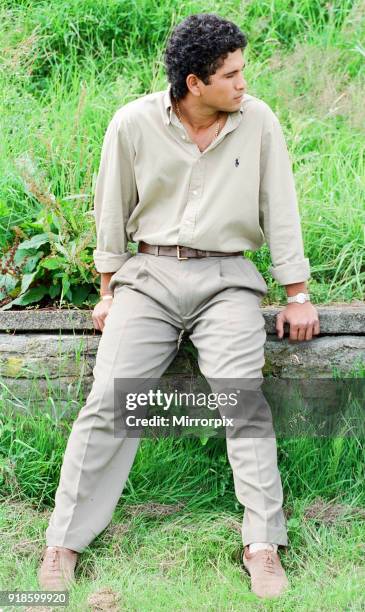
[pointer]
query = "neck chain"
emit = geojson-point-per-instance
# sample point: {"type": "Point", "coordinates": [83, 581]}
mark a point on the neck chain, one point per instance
{"type": "Point", "coordinates": [180, 119]}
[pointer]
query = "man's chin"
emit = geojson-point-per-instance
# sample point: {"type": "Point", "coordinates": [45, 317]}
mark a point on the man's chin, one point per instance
{"type": "Point", "coordinates": [235, 105]}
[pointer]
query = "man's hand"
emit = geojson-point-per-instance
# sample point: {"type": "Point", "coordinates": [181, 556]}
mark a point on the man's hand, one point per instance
{"type": "Point", "coordinates": [100, 313]}
{"type": "Point", "coordinates": [302, 318]}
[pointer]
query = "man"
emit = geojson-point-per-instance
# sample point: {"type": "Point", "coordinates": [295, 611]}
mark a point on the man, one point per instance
{"type": "Point", "coordinates": [195, 174]}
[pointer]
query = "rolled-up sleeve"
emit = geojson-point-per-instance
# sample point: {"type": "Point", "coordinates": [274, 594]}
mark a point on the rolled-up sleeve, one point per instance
{"type": "Point", "coordinates": [115, 196]}
{"type": "Point", "coordinates": [278, 206]}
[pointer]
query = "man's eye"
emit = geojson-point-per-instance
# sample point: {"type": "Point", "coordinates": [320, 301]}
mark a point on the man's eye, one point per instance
{"type": "Point", "coordinates": [230, 76]}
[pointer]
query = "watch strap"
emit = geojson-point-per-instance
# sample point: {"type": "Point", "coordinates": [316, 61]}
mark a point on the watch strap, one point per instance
{"type": "Point", "coordinates": [294, 298]}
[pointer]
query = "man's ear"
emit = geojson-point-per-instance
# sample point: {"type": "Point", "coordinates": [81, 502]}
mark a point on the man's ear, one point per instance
{"type": "Point", "coordinates": [194, 84]}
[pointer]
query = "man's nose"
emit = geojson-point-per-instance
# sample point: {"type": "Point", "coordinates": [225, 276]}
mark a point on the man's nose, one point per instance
{"type": "Point", "coordinates": [242, 84]}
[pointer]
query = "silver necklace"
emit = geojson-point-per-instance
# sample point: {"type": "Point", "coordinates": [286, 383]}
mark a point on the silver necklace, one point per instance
{"type": "Point", "coordinates": [180, 119]}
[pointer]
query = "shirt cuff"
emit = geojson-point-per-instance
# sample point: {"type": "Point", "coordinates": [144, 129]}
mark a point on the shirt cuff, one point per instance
{"type": "Point", "coordinates": [109, 262]}
{"type": "Point", "coordinates": [288, 273]}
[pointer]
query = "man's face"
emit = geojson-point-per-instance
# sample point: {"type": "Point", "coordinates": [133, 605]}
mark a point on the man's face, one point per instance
{"type": "Point", "coordinates": [226, 84]}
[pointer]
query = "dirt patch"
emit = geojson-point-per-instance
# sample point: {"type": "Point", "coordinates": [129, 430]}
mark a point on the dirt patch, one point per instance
{"type": "Point", "coordinates": [39, 609]}
{"type": "Point", "coordinates": [329, 513]}
{"type": "Point", "coordinates": [28, 548]}
{"type": "Point", "coordinates": [117, 529]}
{"type": "Point", "coordinates": [233, 524]}
{"type": "Point", "coordinates": [104, 600]}
{"type": "Point", "coordinates": [153, 509]}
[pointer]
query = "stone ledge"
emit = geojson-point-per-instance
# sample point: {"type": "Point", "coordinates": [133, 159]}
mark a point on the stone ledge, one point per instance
{"type": "Point", "coordinates": [57, 357]}
{"type": "Point", "coordinates": [337, 318]}
{"type": "Point", "coordinates": [49, 355]}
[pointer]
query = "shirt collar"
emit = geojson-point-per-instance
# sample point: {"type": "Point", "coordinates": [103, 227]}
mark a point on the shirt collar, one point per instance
{"type": "Point", "coordinates": [235, 115]}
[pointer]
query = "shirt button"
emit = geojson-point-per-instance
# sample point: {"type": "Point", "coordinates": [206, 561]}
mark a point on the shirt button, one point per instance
{"type": "Point", "coordinates": [194, 192]}
{"type": "Point", "coordinates": [183, 137]}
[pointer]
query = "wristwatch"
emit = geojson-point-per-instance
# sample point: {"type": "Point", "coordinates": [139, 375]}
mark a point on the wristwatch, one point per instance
{"type": "Point", "coordinates": [300, 298]}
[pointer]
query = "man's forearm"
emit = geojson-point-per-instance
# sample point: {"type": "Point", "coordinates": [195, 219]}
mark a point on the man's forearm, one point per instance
{"type": "Point", "coordinates": [104, 282]}
{"type": "Point", "coordinates": [295, 288]}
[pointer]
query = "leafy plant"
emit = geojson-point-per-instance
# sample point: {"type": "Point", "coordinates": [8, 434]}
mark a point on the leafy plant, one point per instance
{"type": "Point", "coordinates": [54, 260]}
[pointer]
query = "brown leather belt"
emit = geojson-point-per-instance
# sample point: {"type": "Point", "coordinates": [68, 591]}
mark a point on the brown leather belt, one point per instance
{"type": "Point", "coordinates": [181, 252]}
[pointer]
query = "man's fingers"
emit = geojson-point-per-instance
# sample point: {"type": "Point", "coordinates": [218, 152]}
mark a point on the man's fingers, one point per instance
{"type": "Point", "coordinates": [99, 315]}
{"type": "Point", "coordinates": [303, 330]}
{"type": "Point", "coordinates": [306, 332]}
{"type": "Point", "coordinates": [102, 321]}
{"type": "Point", "coordinates": [279, 325]}
{"type": "Point", "coordinates": [309, 332]}
{"type": "Point", "coordinates": [301, 333]}
{"type": "Point", "coordinates": [96, 323]}
{"type": "Point", "coordinates": [294, 329]}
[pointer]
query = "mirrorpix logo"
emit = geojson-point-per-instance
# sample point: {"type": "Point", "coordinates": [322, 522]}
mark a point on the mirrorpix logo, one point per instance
{"type": "Point", "coordinates": [237, 162]}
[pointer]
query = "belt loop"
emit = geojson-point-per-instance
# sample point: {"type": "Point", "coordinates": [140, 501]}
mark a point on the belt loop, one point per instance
{"type": "Point", "coordinates": [157, 249]}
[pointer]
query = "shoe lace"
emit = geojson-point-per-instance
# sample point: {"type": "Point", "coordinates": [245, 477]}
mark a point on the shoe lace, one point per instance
{"type": "Point", "coordinates": [269, 565]}
{"type": "Point", "coordinates": [54, 559]}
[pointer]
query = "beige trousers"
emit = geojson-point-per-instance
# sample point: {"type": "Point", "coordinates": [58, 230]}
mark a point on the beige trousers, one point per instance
{"type": "Point", "coordinates": [217, 301]}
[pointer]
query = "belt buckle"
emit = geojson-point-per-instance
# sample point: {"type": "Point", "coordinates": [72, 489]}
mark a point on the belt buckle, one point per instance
{"type": "Point", "coordinates": [178, 247]}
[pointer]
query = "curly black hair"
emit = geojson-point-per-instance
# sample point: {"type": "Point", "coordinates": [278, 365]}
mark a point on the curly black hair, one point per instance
{"type": "Point", "coordinates": [199, 45]}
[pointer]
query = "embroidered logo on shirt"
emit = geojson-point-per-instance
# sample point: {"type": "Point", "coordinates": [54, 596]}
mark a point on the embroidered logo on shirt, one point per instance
{"type": "Point", "coordinates": [237, 162]}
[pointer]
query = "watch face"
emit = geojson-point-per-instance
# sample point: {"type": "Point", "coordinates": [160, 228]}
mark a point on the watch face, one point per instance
{"type": "Point", "coordinates": [301, 298]}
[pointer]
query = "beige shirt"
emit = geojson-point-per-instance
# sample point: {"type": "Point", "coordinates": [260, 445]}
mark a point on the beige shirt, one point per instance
{"type": "Point", "coordinates": [154, 184]}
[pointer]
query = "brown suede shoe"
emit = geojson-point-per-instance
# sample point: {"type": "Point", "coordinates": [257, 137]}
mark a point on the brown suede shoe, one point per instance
{"type": "Point", "coordinates": [57, 570]}
{"type": "Point", "coordinates": [268, 578]}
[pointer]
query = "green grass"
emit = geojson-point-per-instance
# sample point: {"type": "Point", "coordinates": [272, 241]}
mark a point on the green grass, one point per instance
{"type": "Point", "coordinates": [191, 561]}
{"type": "Point", "coordinates": [170, 470]}
{"type": "Point", "coordinates": [174, 541]}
